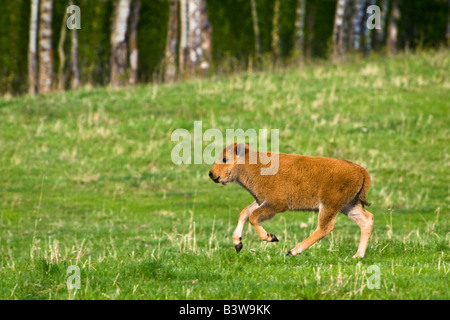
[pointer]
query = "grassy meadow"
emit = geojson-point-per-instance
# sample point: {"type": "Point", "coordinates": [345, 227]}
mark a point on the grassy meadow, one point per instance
{"type": "Point", "coordinates": [86, 179]}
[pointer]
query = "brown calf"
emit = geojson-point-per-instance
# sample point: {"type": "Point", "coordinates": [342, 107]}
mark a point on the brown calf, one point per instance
{"type": "Point", "coordinates": [301, 183]}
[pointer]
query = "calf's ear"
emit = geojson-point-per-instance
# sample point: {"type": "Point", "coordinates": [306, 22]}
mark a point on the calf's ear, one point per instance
{"type": "Point", "coordinates": [241, 149]}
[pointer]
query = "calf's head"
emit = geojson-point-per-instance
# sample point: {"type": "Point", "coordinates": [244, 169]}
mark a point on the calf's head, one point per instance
{"type": "Point", "coordinates": [225, 169]}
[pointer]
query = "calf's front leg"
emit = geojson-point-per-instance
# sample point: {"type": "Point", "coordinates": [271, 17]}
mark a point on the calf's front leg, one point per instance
{"type": "Point", "coordinates": [243, 218]}
{"type": "Point", "coordinates": [264, 212]}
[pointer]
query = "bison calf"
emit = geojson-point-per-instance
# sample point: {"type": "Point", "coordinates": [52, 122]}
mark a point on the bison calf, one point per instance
{"type": "Point", "coordinates": [300, 183]}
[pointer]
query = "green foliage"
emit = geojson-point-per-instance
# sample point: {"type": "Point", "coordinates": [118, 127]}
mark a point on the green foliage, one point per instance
{"type": "Point", "coordinates": [14, 24]}
{"type": "Point", "coordinates": [423, 23]}
{"type": "Point", "coordinates": [232, 29]}
{"type": "Point", "coordinates": [94, 41]}
{"type": "Point", "coordinates": [152, 35]}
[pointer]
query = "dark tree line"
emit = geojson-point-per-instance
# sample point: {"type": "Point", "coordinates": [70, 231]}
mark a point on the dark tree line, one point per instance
{"type": "Point", "coordinates": [124, 42]}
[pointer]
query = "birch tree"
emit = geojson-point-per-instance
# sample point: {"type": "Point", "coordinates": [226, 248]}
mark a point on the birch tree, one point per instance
{"type": "Point", "coordinates": [62, 54]}
{"type": "Point", "coordinates": [380, 33]}
{"type": "Point", "coordinates": [393, 28]}
{"type": "Point", "coordinates": [367, 32]}
{"type": "Point", "coordinates": [310, 21]}
{"type": "Point", "coordinates": [172, 42]}
{"type": "Point", "coordinates": [356, 29]}
{"type": "Point", "coordinates": [73, 23]}
{"type": "Point", "coordinates": [134, 53]}
{"type": "Point", "coordinates": [256, 30]}
{"type": "Point", "coordinates": [447, 34]}
{"type": "Point", "coordinates": [45, 47]}
{"type": "Point", "coordinates": [338, 31]}
{"type": "Point", "coordinates": [118, 43]}
{"type": "Point", "coordinates": [184, 35]}
{"type": "Point", "coordinates": [74, 59]}
{"type": "Point", "coordinates": [206, 37]}
{"type": "Point", "coordinates": [195, 35]}
{"type": "Point", "coordinates": [32, 48]}
{"type": "Point", "coordinates": [299, 40]}
{"type": "Point", "coordinates": [275, 31]}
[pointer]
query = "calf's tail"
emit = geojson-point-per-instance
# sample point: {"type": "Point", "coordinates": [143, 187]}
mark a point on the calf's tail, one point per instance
{"type": "Point", "coordinates": [364, 189]}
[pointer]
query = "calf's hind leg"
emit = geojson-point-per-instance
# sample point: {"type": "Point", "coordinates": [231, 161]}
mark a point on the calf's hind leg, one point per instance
{"type": "Point", "coordinates": [364, 219]}
{"type": "Point", "coordinates": [327, 217]}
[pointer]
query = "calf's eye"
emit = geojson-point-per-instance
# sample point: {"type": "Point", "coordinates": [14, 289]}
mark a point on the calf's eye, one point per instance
{"type": "Point", "coordinates": [224, 160]}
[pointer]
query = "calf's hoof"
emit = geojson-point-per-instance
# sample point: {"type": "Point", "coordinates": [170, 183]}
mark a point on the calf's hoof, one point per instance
{"type": "Point", "coordinates": [238, 247]}
{"type": "Point", "coordinates": [272, 237]}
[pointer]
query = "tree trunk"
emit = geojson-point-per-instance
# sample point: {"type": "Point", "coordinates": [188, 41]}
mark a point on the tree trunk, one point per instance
{"type": "Point", "coordinates": [194, 36]}
{"type": "Point", "coordinates": [346, 29]}
{"type": "Point", "coordinates": [171, 43]}
{"type": "Point", "coordinates": [32, 56]}
{"type": "Point", "coordinates": [338, 31]}
{"type": "Point", "coordinates": [380, 33]}
{"type": "Point", "coordinates": [74, 57]}
{"type": "Point", "coordinates": [367, 32]}
{"type": "Point", "coordinates": [275, 32]}
{"type": "Point", "coordinates": [46, 47]}
{"type": "Point", "coordinates": [310, 21]}
{"type": "Point", "coordinates": [358, 14]}
{"type": "Point", "coordinates": [299, 40]}
{"type": "Point", "coordinates": [447, 34]}
{"type": "Point", "coordinates": [206, 37]}
{"type": "Point", "coordinates": [134, 53]}
{"type": "Point", "coordinates": [184, 30]}
{"type": "Point", "coordinates": [393, 29]}
{"type": "Point", "coordinates": [62, 55]}
{"type": "Point", "coordinates": [119, 44]}
{"type": "Point", "coordinates": [74, 60]}
{"type": "Point", "coordinates": [256, 31]}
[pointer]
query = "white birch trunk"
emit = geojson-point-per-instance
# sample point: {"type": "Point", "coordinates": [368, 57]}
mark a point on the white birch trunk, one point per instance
{"type": "Point", "coordinates": [367, 32]}
{"type": "Point", "coordinates": [195, 35]}
{"type": "Point", "coordinates": [32, 48]}
{"type": "Point", "coordinates": [134, 53]}
{"type": "Point", "coordinates": [275, 31]}
{"type": "Point", "coordinates": [447, 34]}
{"type": "Point", "coordinates": [184, 30]}
{"type": "Point", "coordinates": [358, 14]}
{"type": "Point", "coordinates": [171, 43]}
{"type": "Point", "coordinates": [256, 30]}
{"type": "Point", "coordinates": [46, 47]}
{"type": "Point", "coordinates": [380, 33]}
{"type": "Point", "coordinates": [74, 60]}
{"type": "Point", "coordinates": [299, 41]}
{"type": "Point", "coordinates": [75, 83]}
{"type": "Point", "coordinates": [118, 43]}
{"type": "Point", "coordinates": [393, 29]}
{"type": "Point", "coordinates": [206, 37]}
{"type": "Point", "coordinates": [338, 31]}
{"type": "Point", "coordinates": [62, 55]}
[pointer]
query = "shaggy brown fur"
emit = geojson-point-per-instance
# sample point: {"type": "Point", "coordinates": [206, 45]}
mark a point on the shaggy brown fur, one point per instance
{"type": "Point", "coordinates": [302, 183]}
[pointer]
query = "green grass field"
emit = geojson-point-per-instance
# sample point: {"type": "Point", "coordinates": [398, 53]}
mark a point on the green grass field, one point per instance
{"type": "Point", "coordinates": [87, 179]}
